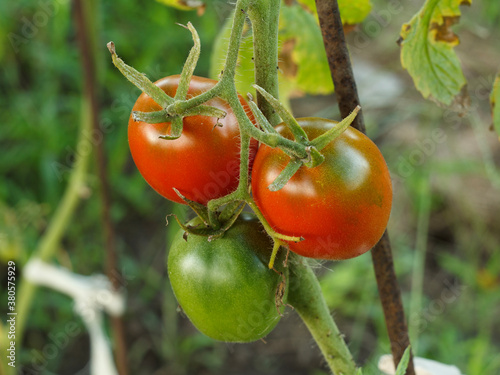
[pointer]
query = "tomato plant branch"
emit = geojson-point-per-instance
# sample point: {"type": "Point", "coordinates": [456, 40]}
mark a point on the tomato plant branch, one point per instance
{"type": "Point", "coordinates": [347, 96]}
{"type": "Point", "coordinates": [86, 34]}
{"type": "Point", "coordinates": [49, 243]}
{"type": "Point", "coordinates": [264, 16]}
{"type": "Point", "coordinates": [240, 13]}
{"type": "Point", "coordinates": [305, 296]}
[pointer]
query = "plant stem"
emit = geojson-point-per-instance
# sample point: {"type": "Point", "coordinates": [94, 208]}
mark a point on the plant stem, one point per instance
{"type": "Point", "coordinates": [87, 36]}
{"type": "Point", "coordinates": [306, 297]}
{"type": "Point", "coordinates": [304, 290]}
{"type": "Point", "coordinates": [265, 19]}
{"type": "Point", "coordinates": [347, 96]}
{"type": "Point", "coordinates": [62, 217]}
{"type": "Point", "coordinates": [417, 279]}
{"type": "Point", "coordinates": [235, 40]}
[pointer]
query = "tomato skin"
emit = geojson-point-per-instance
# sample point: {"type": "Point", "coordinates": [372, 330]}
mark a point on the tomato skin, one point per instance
{"type": "Point", "coordinates": [340, 208]}
{"type": "Point", "coordinates": [203, 164]}
{"type": "Point", "coordinates": [224, 286]}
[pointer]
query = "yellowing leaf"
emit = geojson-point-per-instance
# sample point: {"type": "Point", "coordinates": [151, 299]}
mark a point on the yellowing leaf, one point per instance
{"type": "Point", "coordinates": [183, 4]}
{"type": "Point", "coordinates": [427, 53]}
{"type": "Point", "coordinates": [495, 106]}
{"type": "Point", "coordinates": [351, 11]}
{"type": "Point", "coordinates": [305, 61]}
{"type": "Point", "coordinates": [354, 11]}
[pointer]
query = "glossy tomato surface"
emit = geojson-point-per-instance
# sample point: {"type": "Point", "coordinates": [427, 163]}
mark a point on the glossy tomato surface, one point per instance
{"type": "Point", "coordinates": [203, 164]}
{"type": "Point", "coordinates": [224, 286]}
{"type": "Point", "coordinates": [340, 208]}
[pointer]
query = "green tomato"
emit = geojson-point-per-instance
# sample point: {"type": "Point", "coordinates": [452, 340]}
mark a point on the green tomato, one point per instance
{"type": "Point", "coordinates": [225, 286]}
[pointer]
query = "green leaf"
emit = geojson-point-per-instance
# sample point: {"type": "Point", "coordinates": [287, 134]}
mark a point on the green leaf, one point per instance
{"type": "Point", "coordinates": [303, 54]}
{"type": "Point", "coordinates": [403, 364]}
{"type": "Point", "coordinates": [427, 50]}
{"type": "Point", "coordinates": [495, 107]}
{"type": "Point", "coordinates": [183, 4]}
{"type": "Point", "coordinates": [351, 11]}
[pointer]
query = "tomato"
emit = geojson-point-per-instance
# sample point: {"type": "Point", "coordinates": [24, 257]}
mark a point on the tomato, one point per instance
{"type": "Point", "coordinates": [203, 164]}
{"type": "Point", "coordinates": [340, 208]}
{"type": "Point", "coordinates": [224, 286]}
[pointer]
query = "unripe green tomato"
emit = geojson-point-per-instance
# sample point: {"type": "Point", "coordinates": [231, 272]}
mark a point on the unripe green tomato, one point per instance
{"type": "Point", "coordinates": [225, 286]}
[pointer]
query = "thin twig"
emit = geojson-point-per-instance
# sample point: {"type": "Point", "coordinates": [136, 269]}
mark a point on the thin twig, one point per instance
{"type": "Point", "coordinates": [82, 18]}
{"type": "Point", "coordinates": [347, 96]}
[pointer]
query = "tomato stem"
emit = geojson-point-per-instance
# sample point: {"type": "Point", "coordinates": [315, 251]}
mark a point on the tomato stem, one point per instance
{"type": "Point", "coordinates": [305, 296]}
{"type": "Point", "coordinates": [264, 16]}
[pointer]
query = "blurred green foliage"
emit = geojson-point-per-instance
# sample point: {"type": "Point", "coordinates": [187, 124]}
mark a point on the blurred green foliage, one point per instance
{"type": "Point", "coordinates": [40, 94]}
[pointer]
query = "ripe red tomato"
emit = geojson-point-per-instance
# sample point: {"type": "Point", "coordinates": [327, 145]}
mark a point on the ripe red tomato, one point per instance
{"type": "Point", "coordinates": [340, 208]}
{"type": "Point", "coordinates": [203, 164]}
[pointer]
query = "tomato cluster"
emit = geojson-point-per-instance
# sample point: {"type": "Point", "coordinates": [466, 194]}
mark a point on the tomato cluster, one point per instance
{"type": "Point", "coordinates": [339, 208]}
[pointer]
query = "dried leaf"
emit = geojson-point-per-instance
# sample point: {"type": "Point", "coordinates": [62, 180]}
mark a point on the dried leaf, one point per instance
{"type": "Point", "coordinates": [427, 43]}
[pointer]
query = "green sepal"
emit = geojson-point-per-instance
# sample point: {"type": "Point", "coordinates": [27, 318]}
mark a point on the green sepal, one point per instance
{"type": "Point", "coordinates": [324, 139]}
{"type": "Point", "coordinates": [198, 208]}
{"type": "Point", "coordinates": [176, 129]}
{"type": "Point", "coordinates": [292, 124]}
{"type": "Point", "coordinates": [154, 117]}
{"type": "Point", "coordinates": [189, 65]}
{"type": "Point", "coordinates": [261, 119]}
{"type": "Point", "coordinates": [140, 80]}
{"type": "Point", "coordinates": [229, 210]}
{"type": "Point", "coordinates": [285, 175]}
{"type": "Point", "coordinates": [205, 110]}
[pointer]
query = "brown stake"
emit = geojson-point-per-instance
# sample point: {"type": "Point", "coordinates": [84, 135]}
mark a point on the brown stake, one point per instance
{"type": "Point", "coordinates": [89, 81]}
{"type": "Point", "coordinates": [347, 96]}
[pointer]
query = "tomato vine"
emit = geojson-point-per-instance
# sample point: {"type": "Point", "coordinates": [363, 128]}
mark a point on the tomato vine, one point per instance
{"type": "Point", "coordinates": [219, 214]}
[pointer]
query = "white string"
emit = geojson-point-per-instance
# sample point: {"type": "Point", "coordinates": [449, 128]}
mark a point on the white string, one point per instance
{"type": "Point", "coordinates": [92, 295]}
{"type": "Point", "coordinates": [423, 366]}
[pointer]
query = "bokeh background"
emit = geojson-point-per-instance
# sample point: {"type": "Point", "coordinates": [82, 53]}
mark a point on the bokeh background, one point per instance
{"type": "Point", "coordinates": [445, 223]}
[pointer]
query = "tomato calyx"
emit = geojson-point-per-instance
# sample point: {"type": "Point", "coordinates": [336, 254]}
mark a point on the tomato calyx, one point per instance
{"type": "Point", "coordinates": [209, 227]}
{"type": "Point", "coordinates": [308, 152]}
{"type": "Point", "coordinates": [175, 109]}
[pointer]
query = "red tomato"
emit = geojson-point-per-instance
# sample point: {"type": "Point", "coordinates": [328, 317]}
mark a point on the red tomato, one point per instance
{"type": "Point", "coordinates": [340, 208]}
{"type": "Point", "coordinates": [203, 164]}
